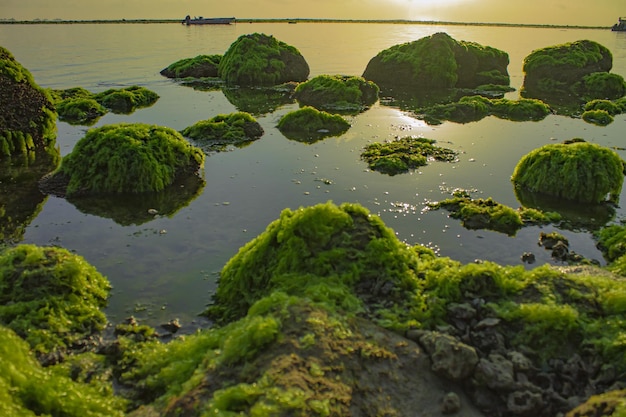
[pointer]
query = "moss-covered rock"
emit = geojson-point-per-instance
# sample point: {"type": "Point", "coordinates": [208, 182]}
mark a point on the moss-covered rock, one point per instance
{"type": "Point", "coordinates": [260, 60]}
{"type": "Point", "coordinates": [597, 117]}
{"type": "Point", "coordinates": [27, 389]}
{"type": "Point", "coordinates": [403, 154]}
{"type": "Point", "coordinates": [574, 71]}
{"type": "Point", "coordinates": [82, 111]}
{"type": "Point", "coordinates": [609, 404]}
{"type": "Point", "coordinates": [50, 297]}
{"type": "Point", "coordinates": [578, 171]}
{"type": "Point", "coordinates": [225, 129]}
{"type": "Point", "coordinates": [337, 93]}
{"type": "Point", "coordinates": [198, 67]}
{"type": "Point", "coordinates": [606, 105]}
{"type": "Point", "coordinates": [438, 62]}
{"type": "Point", "coordinates": [27, 114]}
{"type": "Point", "coordinates": [310, 125]}
{"type": "Point", "coordinates": [474, 108]}
{"type": "Point", "coordinates": [126, 100]}
{"type": "Point", "coordinates": [124, 158]}
{"type": "Point", "coordinates": [489, 214]}
{"type": "Point", "coordinates": [612, 243]}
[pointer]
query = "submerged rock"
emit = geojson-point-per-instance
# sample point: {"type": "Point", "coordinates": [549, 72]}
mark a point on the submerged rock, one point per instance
{"type": "Point", "coordinates": [438, 62]}
{"type": "Point", "coordinates": [27, 114]}
{"type": "Point", "coordinates": [310, 125]}
{"type": "Point", "coordinates": [124, 158]}
{"type": "Point", "coordinates": [225, 129]}
{"type": "Point", "coordinates": [261, 60]}
{"type": "Point", "coordinates": [577, 171]}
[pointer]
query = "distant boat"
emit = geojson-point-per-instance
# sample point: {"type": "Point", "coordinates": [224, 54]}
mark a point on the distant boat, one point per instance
{"type": "Point", "coordinates": [620, 26]}
{"type": "Point", "coordinates": [208, 21]}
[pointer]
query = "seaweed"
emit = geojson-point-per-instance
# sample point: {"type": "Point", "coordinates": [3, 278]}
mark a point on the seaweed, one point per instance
{"type": "Point", "coordinates": [198, 67]}
{"type": "Point", "coordinates": [337, 93]}
{"type": "Point", "coordinates": [225, 129]}
{"type": "Point", "coordinates": [310, 125]}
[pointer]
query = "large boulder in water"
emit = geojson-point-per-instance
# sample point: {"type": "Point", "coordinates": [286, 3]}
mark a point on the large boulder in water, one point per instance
{"type": "Point", "coordinates": [262, 60]}
{"type": "Point", "coordinates": [438, 62]}
{"type": "Point", "coordinates": [572, 70]}
{"type": "Point", "coordinates": [27, 114]}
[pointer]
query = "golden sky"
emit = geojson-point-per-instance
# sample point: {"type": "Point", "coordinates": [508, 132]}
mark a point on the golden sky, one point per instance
{"type": "Point", "coordinates": [562, 12]}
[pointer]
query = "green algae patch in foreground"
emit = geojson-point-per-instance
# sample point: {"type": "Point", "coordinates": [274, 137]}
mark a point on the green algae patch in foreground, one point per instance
{"type": "Point", "coordinates": [310, 125]}
{"type": "Point", "coordinates": [337, 93]}
{"type": "Point", "coordinates": [612, 243]}
{"type": "Point", "coordinates": [28, 390]}
{"type": "Point", "coordinates": [50, 297]}
{"type": "Point", "coordinates": [27, 114]}
{"type": "Point", "coordinates": [401, 155]}
{"type": "Point", "coordinates": [225, 129]}
{"type": "Point", "coordinates": [262, 60]}
{"type": "Point", "coordinates": [326, 252]}
{"type": "Point", "coordinates": [577, 171]}
{"type": "Point", "coordinates": [132, 158]}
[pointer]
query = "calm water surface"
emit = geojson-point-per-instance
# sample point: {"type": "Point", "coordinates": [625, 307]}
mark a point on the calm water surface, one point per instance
{"type": "Point", "coordinates": [167, 267]}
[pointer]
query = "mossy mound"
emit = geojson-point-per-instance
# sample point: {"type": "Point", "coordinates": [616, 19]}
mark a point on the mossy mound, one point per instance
{"type": "Point", "coordinates": [403, 154]}
{"type": "Point", "coordinates": [438, 62]}
{"type": "Point", "coordinates": [83, 110]}
{"type": "Point", "coordinates": [310, 125]}
{"type": "Point", "coordinates": [198, 67]}
{"type": "Point", "coordinates": [261, 60]}
{"type": "Point", "coordinates": [50, 297]}
{"type": "Point", "coordinates": [27, 114]}
{"type": "Point", "coordinates": [577, 171]}
{"type": "Point", "coordinates": [597, 117]}
{"type": "Point", "coordinates": [124, 158]}
{"type": "Point", "coordinates": [606, 105]}
{"type": "Point", "coordinates": [126, 100]}
{"type": "Point", "coordinates": [474, 108]}
{"type": "Point", "coordinates": [27, 389]}
{"type": "Point", "coordinates": [337, 93]}
{"type": "Point", "coordinates": [574, 71]}
{"type": "Point", "coordinates": [609, 404]}
{"type": "Point", "coordinates": [225, 129]}
{"type": "Point", "coordinates": [489, 214]}
{"type": "Point", "coordinates": [306, 251]}
{"type": "Point", "coordinates": [612, 243]}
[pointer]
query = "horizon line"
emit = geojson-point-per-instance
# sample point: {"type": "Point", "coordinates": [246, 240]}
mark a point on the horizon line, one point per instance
{"type": "Point", "coordinates": [304, 20]}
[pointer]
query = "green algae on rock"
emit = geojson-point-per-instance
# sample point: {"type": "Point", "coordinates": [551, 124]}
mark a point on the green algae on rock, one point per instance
{"type": "Point", "coordinates": [597, 117]}
{"type": "Point", "coordinates": [261, 60]}
{"type": "Point", "coordinates": [200, 66]}
{"type": "Point", "coordinates": [225, 129]}
{"type": "Point", "coordinates": [310, 125]}
{"type": "Point", "coordinates": [126, 100]}
{"type": "Point", "coordinates": [577, 171]}
{"type": "Point", "coordinates": [438, 62]}
{"type": "Point", "coordinates": [80, 111]}
{"type": "Point", "coordinates": [612, 242]}
{"type": "Point", "coordinates": [27, 114]}
{"type": "Point", "coordinates": [28, 389]}
{"type": "Point", "coordinates": [337, 93]}
{"type": "Point", "coordinates": [474, 108]}
{"type": "Point", "coordinates": [124, 158]}
{"type": "Point", "coordinates": [489, 214]}
{"type": "Point", "coordinates": [403, 154]}
{"type": "Point", "coordinates": [50, 297]}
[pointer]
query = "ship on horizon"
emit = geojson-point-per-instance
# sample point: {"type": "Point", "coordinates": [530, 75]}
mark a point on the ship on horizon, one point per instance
{"type": "Point", "coordinates": [208, 20]}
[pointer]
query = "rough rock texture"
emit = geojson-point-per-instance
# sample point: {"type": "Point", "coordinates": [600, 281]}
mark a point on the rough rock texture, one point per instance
{"type": "Point", "coordinates": [27, 115]}
{"type": "Point", "coordinates": [262, 60]}
{"type": "Point", "coordinates": [438, 62]}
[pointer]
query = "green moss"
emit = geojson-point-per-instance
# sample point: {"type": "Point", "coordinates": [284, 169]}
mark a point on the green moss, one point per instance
{"type": "Point", "coordinates": [488, 214]}
{"type": "Point", "coordinates": [132, 158]}
{"type": "Point", "coordinates": [50, 297]}
{"type": "Point", "coordinates": [339, 93]}
{"type": "Point", "coordinates": [258, 59]}
{"type": "Point", "coordinates": [126, 100]}
{"type": "Point", "coordinates": [606, 105]}
{"type": "Point", "coordinates": [27, 389]}
{"type": "Point", "coordinates": [199, 66]}
{"type": "Point", "coordinates": [601, 85]}
{"type": "Point", "coordinates": [80, 110]}
{"type": "Point", "coordinates": [612, 242]}
{"type": "Point", "coordinates": [597, 117]}
{"type": "Point", "coordinates": [310, 125]}
{"type": "Point", "coordinates": [403, 154]}
{"type": "Point", "coordinates": [28, 117]}
{"type": "Point", "coordinates": [578, 54]}
{"type": "Point", "coordinates": [225, 129]}
{"type": "Point", "coordinates": [322, 252]}
{"type": "Point", "coordinates": [577, 171]}
{"type": "Point", "coordinates": [523, 109]}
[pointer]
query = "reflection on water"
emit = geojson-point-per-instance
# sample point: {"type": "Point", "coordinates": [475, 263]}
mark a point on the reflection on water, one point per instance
{"type": "Point", "coordinates": [173, 273]}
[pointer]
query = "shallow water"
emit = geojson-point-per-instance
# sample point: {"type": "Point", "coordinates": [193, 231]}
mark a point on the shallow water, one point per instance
{"type": "Point", "coordinates": [167, 267]}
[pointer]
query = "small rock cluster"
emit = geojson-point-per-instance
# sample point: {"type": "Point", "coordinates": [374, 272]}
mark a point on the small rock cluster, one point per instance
{"type": "Point", "coordinates": [474, 351]}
